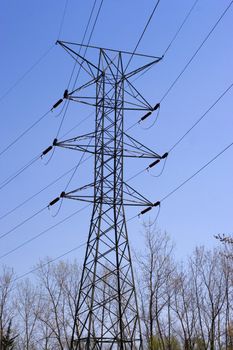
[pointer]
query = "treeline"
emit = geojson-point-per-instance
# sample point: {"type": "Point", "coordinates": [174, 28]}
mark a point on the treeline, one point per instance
{"type": "Point", "coordinates": [186, 305]}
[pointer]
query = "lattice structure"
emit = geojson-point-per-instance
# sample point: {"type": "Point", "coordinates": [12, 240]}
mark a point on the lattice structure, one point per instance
{"type": "Point", "coordinates": [107, 311]}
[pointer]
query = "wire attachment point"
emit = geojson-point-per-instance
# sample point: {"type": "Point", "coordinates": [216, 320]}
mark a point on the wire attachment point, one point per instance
{"type": "Point", "coordinates": [164, 155]}
{"type": "Point", "coordinates": [62, 195]}
{"type": "Point", "coordinates": [144, 211]}
{"type": "Point", "coordinates": [66, 94]}
{"type": "Point", "coordinates": [156, 107]}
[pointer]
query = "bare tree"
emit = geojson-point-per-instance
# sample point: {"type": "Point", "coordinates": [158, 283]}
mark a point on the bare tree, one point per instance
{"type": "Point", "coordinates": [6, 307]}
{"type": "Point", "coordinates": [210, 294]}
{"type": "Point", "coordinates": [156, 267]}
{"type": "Point", "coordinates": [183, 308]}
{"type": "Point", "coordinates": [59, 288]}
{"type": "Point", "coordinates": [28, 308]}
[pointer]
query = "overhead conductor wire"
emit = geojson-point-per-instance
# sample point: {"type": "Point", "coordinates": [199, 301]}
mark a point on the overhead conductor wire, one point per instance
{"type": "Point", "coordinates": [174, 36]}
{"type": "Point", "coordinates": [24, 132]}
{"type": "Point", "coordinates": [29, 70]}
{"type": "Point", "coordinates": [72, 73]}
{"type": "Point", "coordinates": [198, 170]}
{"type": "Point", "coordinates": [192, 57]}
{"type": "Point", "coordinates": [92, 31]}
{"type": "Point", "coordinates": [205, 112]}
{"type": "Point", "coordinates": [143, 32]}
{"type": "Point", "coordinates": [60, 256]}
{"type": "Point", "coordinates": [168, 46]}
{"type": "Point", "coordinates": [20, 79]}
{"type": "Point", "coordinates": [179, 29]}
{"type": "Point", "coordinates": [62, 19]}
{"type": "Point", "coordinates": [8, 180]}
{"type": "Point", "coordinates": [142, 171]}
{"type": "Point", "coordinates": [18, 172]}
{"type": "Point", "coordinates": [74, 169]}
{"type": "Point", "coordinates": [201, 117]}
{"type": "Point", "coordinates": [43, 232]}
{"type": "Point", "coordinates": [196, 52]}
{"type": "Point", "coordinates": [162, 200]}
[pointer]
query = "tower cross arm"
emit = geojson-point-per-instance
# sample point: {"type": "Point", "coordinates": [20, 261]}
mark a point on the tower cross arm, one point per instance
{"type": "Point", "coordinates": [142, 68]}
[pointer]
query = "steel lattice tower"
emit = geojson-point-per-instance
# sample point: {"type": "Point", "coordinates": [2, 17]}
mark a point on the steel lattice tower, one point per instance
{"type": "Point", "coordinates": [107, 311]}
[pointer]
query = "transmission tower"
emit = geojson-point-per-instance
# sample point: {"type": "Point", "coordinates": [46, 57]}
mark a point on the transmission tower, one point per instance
{"type": "Point", "coordinates": [107, 311]}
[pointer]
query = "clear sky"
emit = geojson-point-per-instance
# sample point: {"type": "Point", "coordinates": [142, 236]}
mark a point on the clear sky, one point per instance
{"type": "Point", "coordinates": [192, 215]}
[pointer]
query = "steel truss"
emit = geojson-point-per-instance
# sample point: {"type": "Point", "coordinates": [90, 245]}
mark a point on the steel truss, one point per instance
{"type": "Point", "coordinates": [107, 310]}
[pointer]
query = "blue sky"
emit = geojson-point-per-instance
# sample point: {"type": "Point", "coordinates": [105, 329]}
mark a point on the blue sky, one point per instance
{"type": "Point", "coordinates": [193, 214]}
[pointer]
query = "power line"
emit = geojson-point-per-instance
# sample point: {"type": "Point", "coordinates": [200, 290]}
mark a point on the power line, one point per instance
{"type": "Point", "coordinates": [197, 172]}
{"type": "Point", "coordinates": [63, 220]}
{"type": "Point", "coordinates": [44, 115]}
{"type": "Point", "coordinates": [79, 70]}
{"type": "Point", "coordinates": [140, 172]}
{"type": "Point", "coordinates": [143, 32]}
{"type": "Point", "coordinates": [173, 38]}
{"type": "Point", "coordinates": [43, 189]}
{"type": "Point", "coordinates": [26, 72]}
{"type": "Point", "coordinates": [62, 19]}
{"type": "Point", "coordinates": [74, 169]}
{"type": "Point", "coordinates": [24, 132]}
{"type": "Point", "coordinates": [163, 199]}
{"type": "Point", "coordinates": [37, 193]}
{"type": "Point", "coordinates": [90, 36]}
{"type": "Point", "coordinates": [59, 257]}
{"type": "Point", "coordinates": [181, 26]}
{"type": "Point", "coordinates": [50, 261]}
{"type": "Point", "coordinates": [84, 36]}
{"type": "Point", "coordinates": [190, 178]}
{"type": "Point", "coordinates": [23, 222]}
{"type": "Point", "coordinates": [34, 159]}
{"type": "Point", "coordinates": [202, 117]}
{"type": "Point", "coordinates": [43, 232]}
{"type": "Point", "coordinates": [38, 212]}
{"type": "Point", "coordinates": [18, 172]}
{"type": "Point", "coordinates": [190, 129]}
{"type": "Point", "coordinates": [196, 52]}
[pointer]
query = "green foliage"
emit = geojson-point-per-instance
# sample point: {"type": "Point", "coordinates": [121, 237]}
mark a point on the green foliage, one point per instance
{"type": "Point", "coordinates": [173, 344]}
{"type": "Point", "coordinates": [199, 343]}
{"type": "Point", "coordinates": [156, 343]}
